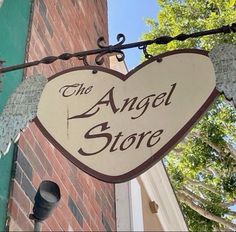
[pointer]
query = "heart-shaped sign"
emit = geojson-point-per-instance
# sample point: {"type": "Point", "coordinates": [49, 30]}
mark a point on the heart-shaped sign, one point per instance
{"type": "Point", "coordinates": [115, 126]}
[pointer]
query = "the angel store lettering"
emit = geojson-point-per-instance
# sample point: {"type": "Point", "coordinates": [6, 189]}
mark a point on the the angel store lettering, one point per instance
{"type": "Point", "coordinates": [136, 105]}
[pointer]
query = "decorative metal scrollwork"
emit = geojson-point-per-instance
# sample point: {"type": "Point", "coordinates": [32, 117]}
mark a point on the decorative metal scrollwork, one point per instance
{"type": "Point", "coordinates": [120, 56]}
{"type": "Point", "coordinates": [119, 47]}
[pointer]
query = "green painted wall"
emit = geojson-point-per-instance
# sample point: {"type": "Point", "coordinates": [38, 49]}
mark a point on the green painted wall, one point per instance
{"type": "Point", "coordinates": [14, 22]}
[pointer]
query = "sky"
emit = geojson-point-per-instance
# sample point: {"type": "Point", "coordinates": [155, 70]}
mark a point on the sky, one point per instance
{"type": "Point", "coordinates": [127, 17]}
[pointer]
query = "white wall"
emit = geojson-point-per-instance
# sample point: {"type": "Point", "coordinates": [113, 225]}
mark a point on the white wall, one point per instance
{"type": "Point", "coordinates": [129, 211]}
{"type": "Point", "coordinates": [159, 189]}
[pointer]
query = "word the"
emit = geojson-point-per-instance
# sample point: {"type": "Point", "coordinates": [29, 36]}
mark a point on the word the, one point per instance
{"type": "Point", "coordinates": [75, 89]}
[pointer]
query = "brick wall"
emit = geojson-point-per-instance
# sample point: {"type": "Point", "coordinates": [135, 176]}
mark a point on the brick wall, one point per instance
{"type": "Point", "coordinates": [60, 26]}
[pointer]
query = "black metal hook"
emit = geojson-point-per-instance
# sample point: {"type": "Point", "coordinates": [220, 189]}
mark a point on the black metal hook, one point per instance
{"type": "Point", "coordinates": [145, 52]}
{"type": "Point", "coordinates": [84, 59]}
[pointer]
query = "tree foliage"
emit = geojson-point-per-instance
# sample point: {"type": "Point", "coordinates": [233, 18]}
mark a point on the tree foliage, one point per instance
{"type": "Point", "coordinates": [202, 167]}
{"type": "Point", "coordinates": [187, 16]}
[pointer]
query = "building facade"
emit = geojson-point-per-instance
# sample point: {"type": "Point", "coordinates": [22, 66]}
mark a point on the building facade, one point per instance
{"type": "Point", "coordinates": [14, 17]}
{"type": "Point", "coordinates": [52, 28]}
{"type": "Point", "coordinates": [36, 29]}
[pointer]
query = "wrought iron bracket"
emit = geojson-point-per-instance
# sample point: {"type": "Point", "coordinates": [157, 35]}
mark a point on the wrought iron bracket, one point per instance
{"type": "Point", "coordinates": [119, 47]}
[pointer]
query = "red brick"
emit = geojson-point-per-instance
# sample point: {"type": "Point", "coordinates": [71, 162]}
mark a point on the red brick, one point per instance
{"type": "Point", "coordinates": [74, 224]}
{"type": "Point", "coordinates": [23, 221]}
{"type": "Point", "coordinates": [19, 196]}
{"type": "Point", "coordinates": [62, 160]}
{"type": "Point", "coordinates": [13, 226]}
{"type": "Point", "coordinates": [21, 142]}
{"type": "Point", "coordinates": [36, 180]}
{"type": "Point", "coordinates": [29, 136]}
{"type": "Point", "coordinates": [43, 159]}
{"type": "Point", "coordinates": [86, 227]}
{"type": "Point", "coordinates": [53, 224]}
{"type": "Point", "coordinates": [40, 139]}
{"type": "Point", "coordinates": [13, 209]}
{"type": "Point", "coordinates": [94, 225]}
{"type": "Point", "coordinates": [62, 219]}
{"type": "Point", "coordinates": [81, 205]}
{"type": "Point", "coordinates": [45, 227]}
{"type": "Point", "coordinates": [91, 196]}
{"type": "Point", "coordinates": [31, 156]}
{"type": "Point", "coordinates": [20, 218]}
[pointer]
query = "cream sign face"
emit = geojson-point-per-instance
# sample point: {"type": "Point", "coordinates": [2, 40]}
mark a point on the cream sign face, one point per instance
{"type": "Point", "coordinates": [115, 126]}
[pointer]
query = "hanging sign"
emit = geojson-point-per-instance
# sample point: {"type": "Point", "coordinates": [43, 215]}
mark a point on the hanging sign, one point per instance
{"type": "Point", "coordinates": [115, 126]}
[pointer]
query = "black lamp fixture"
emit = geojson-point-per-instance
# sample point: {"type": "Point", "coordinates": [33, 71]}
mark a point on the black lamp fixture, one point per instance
{"type": "Point", "coordinates": [46, 199]}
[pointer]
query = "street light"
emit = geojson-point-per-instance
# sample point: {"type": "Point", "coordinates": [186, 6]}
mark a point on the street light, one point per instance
{"type": "Point", "coordinates": [46, 199]}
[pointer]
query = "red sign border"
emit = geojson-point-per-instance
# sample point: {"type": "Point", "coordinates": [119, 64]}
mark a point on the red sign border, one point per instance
{"type": "Point", "coordinates": [161, 152]}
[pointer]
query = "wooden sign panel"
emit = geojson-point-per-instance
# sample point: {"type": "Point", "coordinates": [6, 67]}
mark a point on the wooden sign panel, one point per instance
{"type": "Point", "coordinates": [115, 126]}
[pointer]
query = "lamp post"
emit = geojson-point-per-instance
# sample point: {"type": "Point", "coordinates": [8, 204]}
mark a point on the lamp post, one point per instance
{"type": "Point", "coordinates": [46, 199]}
